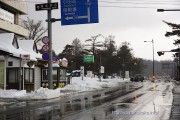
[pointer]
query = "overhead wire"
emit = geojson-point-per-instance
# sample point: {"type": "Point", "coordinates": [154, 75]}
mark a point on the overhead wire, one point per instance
{"type": "Point", "coordinates": [124, 2]}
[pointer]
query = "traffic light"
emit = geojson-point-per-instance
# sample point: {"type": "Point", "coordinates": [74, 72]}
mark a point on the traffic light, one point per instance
{"type": "Point", "coordinates": [176, 54]}
{"type": "Point", "coordinates": [160, 53]}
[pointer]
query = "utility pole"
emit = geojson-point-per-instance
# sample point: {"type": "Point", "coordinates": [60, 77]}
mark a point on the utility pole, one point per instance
{"type": "Point", "coordinates": [178, 62]}
{"type": "Point", "coordinates": [153, 74]}
{"type": "Point", "coordinates": [50, 78]}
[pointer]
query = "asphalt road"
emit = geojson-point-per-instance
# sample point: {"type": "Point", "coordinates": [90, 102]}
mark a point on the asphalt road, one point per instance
{"type": "Point", "coordinates": [129, 101]}
{"type": "Point", "coordinates": [152, 102]}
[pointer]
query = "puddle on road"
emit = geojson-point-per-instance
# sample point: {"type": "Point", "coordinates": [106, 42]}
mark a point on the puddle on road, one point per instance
{"type": "Point", "coordinates": [73, 106]}
{"type": "Point", "coordinates": [132, 99]}
{"type": "Point", "coordinates": [123, 106]}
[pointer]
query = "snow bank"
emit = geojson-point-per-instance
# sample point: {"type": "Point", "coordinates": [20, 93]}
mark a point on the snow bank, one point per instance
{"type": "Point", "coordinates": [77, 85]}
{"type": "Point", "coordinates": [12, 93]}
{"type": "Point", "coordinates": [91, 84]}
{"type": "Point", "coordinates": [44, 93]}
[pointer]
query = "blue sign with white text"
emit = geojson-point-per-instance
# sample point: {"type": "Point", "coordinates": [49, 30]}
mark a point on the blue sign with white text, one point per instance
{"type": "Point", "coordinates": [79, 12]}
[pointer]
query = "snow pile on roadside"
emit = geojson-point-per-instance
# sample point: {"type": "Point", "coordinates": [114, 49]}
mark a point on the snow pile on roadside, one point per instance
{"type": "Point", "coordinates": [89, 84]}
{"type": "Point", "coordinates": [77, 85]}
{"type": "Point", "coordinates": [41, 93]}
{"type": "Point", "coordinates": [12, 93]}
{"type": "Point", "coordinates": [45, 93]}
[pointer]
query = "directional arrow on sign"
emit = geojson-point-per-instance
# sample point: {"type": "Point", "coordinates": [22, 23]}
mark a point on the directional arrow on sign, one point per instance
{"type": "Point", "coordinates": [79, 12]}
{"type": "Point", "coordinates": [78, 17]}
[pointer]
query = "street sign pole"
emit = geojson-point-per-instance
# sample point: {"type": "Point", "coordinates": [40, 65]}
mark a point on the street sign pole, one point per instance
{"type": "Point", "coordinates": [50, 78]}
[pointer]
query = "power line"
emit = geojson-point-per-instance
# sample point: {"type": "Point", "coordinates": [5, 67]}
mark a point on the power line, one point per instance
{"type": "Point", "coordinates": [117, 1]}
{"type": "Point", "coordinates": [153, 3]}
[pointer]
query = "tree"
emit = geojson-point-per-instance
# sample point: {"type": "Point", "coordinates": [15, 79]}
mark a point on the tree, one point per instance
{"type": "Point", "coordinates": [110, 44]}
{"type": "Point", "coordinates": [107, 55]}
{"type": "Point", "coordinates": [175, 31]}
{"type": "Point", "coordinates": [125, 58]}
{"type": "Point", "coordinates": [94, 43]}
{"type": "Point", "coordinates": [36, 29]}
{"type": "Point", "coordinates": [77, 47]}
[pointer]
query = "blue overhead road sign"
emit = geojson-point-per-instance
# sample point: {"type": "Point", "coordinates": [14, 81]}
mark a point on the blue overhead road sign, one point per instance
{"type": "Point", "coordinates": [79, 12]}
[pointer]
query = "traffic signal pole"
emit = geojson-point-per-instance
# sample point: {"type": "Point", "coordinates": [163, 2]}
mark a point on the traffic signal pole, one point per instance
{"type": "Point", "coordinates": [50, 78]}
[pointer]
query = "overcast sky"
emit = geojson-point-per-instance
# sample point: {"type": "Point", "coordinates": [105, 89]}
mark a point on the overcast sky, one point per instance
{"type": "Point", "coordinates": [134, 21]}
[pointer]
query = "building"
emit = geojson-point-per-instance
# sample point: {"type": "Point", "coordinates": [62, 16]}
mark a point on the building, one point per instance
{"type": "Point", "coordinates": [10, 21]}
{"type": "Point", "coordinates": [18, 63]}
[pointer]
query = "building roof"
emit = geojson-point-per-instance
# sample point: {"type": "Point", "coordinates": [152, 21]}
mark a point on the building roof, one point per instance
{"type": "Point", "coordinates": [28, 46]}
{"type": "Point", "coordinates": [6, 40]}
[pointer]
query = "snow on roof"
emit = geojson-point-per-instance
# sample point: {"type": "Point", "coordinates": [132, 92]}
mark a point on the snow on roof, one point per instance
{"type": "Point", "coordinates": [27, 45]}
{"type": "Point", "coordinates": [6, 40]}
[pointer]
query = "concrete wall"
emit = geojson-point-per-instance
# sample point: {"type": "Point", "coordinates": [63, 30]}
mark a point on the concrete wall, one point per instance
{"type": "Point", "coordinates": [17, 5]}
{"type": "Point", "coordinates": [9, 27]}
{"type": "Point", "coordinates": [17, 8]}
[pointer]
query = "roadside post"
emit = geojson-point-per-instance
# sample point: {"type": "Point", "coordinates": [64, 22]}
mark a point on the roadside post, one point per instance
{"type": "Point", "coordinates": [82, 71]}
{"type": "Point", "coordinates": [48, 56]}
{"type": "Point", "coordinates": [72, 12]}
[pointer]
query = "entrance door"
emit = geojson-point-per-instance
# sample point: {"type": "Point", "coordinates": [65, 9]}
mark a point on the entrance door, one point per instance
{"type": "Point", "coordinates": [1, 74]}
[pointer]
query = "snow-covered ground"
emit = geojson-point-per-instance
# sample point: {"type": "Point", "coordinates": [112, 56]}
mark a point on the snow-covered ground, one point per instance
{"type": "Point", "coordinates": [77, 85]}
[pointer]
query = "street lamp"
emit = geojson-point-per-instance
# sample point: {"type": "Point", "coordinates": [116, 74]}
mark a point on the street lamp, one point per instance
{"type": "Point", "coordinates": [162, 10]}
{"type": "Point", "coordinates": [153, 77]}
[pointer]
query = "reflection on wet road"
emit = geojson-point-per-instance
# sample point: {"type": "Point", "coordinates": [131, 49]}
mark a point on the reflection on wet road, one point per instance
{"type": "Point", "coordinates": [150, 102]}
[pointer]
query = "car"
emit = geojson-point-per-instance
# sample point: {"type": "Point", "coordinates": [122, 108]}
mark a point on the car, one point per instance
{"type": "Point", "coordinates": [137, 78]}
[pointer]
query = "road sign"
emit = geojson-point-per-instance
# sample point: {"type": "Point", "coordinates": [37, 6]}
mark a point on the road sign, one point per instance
{"type": "Point", "coordinates": [45, 48]}
{"type": "Point", "coordinates": [46, 6]}
{"type": "Point", "coordinates": [55, 59]}
{"type": "Point", "coordinates": [89, 59]}
{"type": "Point", "coordinates": [45, 40]}
{"type": "Point", "coordinates": [25, 57]}
{"type": "Point", "coordinates": [79, 12]}
{"type": "Point", "coordinates": [45, 56]}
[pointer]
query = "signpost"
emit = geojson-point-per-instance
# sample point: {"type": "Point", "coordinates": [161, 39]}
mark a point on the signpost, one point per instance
{"type": "Point", "coordinates": [46, 6]}
{"type": "Point", "coordinates": [45, 40]}
{"type": "Point", "coordinates": [25, 57]}
{"type": "Point", "coordinates": [72, 12]}
{"type": "Point", "coordinates": [45, 56]}
{"type": "Point", "coordinates": [79, 12]}
{"type": "Point", "coordinates": [45, 48]}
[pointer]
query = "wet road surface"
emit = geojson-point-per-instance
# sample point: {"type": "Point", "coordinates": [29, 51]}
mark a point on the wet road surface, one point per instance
{"type": "Point", "coordinates": [150, 102]}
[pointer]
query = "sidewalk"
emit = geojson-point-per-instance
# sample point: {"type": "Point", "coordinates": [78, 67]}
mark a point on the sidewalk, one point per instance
{"type": "Point", "coordinates": [175, 110]}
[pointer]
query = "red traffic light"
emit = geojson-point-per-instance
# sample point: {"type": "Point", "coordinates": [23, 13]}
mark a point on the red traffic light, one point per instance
{"type": "Point", "coordinates": [160, 53]}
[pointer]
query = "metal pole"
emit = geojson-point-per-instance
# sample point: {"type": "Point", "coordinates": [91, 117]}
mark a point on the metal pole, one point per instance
{"type": "Point", "coordinates": [50, 78]}
{"type": "Point", "coordinates": [153, 58]}
{"type": "Point", "coordinates": [100, 69]}
{"type": "Point", "coordinates": [20, 61]}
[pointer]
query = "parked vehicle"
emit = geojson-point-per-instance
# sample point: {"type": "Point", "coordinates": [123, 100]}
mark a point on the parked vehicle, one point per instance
{"type": "Point", "coordinates": [137, 77]}
{"type": "Point", "coordinates": [76, 73]}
